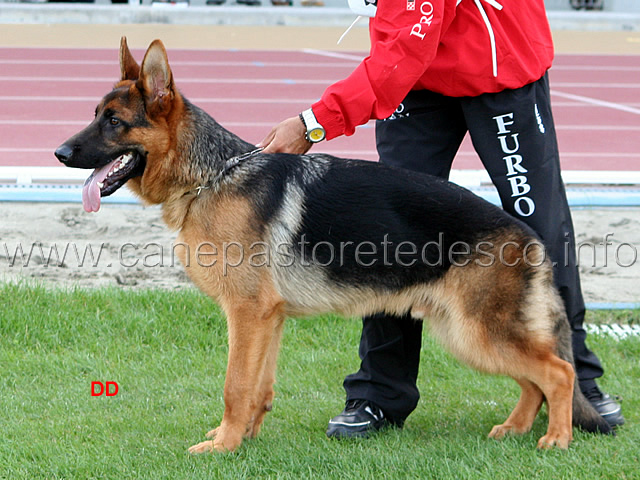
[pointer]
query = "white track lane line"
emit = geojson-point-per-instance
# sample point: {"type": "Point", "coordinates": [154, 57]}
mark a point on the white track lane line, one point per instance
{"type": "Point", "coordinates": [598, 68]}
{"type": "Point", "coordinates": [595, 101]}
{"type": "Point", "coordinates": [111, 80]}
{"type": "Point", "coordinates": [187, 63]}
{"type": "Point", "coordinates": [60, 98]}
{"type": "Point", "coordinates": [343, 56]}
{"type": "Point", "coordinates": [260, 81]}
{"type": "Point", "coordinates": [600, 86]}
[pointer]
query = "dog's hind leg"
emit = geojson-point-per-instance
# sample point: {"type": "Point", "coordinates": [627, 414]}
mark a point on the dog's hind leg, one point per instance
{"type": "Point", "coordinates": [542, 375]}
{"type": "Point", "coordinates": [524, 413]}
{"type": "Point", "coordinates": [502, 319]}
{"type": "Point", "coordinates": [555, 377]}
{"type": "Point", "coordinates": [252, 329]}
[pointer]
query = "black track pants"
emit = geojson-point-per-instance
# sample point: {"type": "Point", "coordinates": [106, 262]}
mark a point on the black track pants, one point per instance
{"type": "Point", "coordinates": [514, 135]}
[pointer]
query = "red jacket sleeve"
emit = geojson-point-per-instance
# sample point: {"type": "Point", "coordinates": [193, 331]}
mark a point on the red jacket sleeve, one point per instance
{"type": "Point", "coordinates": [404, 39]}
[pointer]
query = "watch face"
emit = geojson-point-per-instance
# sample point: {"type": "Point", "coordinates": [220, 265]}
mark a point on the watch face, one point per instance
{"type": "Point", "coordinates": [316, 135]}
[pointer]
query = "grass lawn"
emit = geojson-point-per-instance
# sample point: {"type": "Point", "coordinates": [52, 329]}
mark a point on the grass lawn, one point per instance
{"type": "Point", "coordinates": [167, 352]}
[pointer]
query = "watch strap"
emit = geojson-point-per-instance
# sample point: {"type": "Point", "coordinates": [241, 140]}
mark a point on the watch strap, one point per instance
{"type": "Point", "coordinates": [312, 125]}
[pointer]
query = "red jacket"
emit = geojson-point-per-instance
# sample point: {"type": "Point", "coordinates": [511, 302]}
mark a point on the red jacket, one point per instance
{"type": "Point", "coordinates": [442, 46]}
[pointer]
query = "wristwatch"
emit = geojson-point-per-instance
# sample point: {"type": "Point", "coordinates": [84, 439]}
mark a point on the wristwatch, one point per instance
{"type": "Point", "coordinates": [315, 133]}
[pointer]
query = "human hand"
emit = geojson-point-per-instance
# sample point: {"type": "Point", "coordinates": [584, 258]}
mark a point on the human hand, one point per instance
{"type": "Point", "coordinates": [289, 136]}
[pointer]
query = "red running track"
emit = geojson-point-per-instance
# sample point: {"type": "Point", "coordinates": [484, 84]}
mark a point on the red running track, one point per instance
{"type": "Point", "coordinates": [47, 94]}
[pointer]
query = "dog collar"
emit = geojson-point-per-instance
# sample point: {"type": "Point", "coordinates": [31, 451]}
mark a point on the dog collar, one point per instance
{"type": "Point", "coordinates": [229, 165]}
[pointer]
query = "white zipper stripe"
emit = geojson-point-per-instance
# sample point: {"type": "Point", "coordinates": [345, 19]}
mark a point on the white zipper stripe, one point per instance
{"type": "Point", "coordinates": [492, 38]}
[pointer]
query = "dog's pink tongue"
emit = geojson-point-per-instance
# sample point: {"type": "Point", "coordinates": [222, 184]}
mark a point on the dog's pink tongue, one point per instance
{"type": "Point", "coordinates": [91, 190]}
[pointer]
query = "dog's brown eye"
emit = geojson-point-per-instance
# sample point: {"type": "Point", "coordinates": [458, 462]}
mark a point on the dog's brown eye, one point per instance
{"type": "Point", "coordinates": [114, 121]}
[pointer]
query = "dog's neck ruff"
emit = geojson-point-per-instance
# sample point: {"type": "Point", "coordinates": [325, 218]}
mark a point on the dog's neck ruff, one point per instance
{"type": "Point", "coordinates": [230, 164]}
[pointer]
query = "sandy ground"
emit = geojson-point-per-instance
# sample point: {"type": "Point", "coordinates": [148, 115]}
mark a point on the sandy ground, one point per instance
{"type": "Point", "coordinates": [129, 246]}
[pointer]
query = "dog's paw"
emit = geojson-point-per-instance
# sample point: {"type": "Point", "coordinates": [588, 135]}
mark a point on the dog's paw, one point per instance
{"type": "Point", "coordinates": [207, 446]}
{"type": "Point", "coordinates": [550, 440]}
{"type": "Point", "coordinates": [210, 446]}
{"type": "Point", "coordinates": [202, 447]}
{"type": "Point", "coordinates": [227, 441]}
{"type": "Point", "coordinates": [499, 431]}
{"type": "Point", "coordinates": [221, 441]}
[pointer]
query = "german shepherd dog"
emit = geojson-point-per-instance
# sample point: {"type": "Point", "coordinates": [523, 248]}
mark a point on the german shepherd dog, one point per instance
{"type": "Point", "coordinates": [333, 235]}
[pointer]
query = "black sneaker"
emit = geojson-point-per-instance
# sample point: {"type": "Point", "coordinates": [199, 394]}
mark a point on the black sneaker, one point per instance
{"type": "Point", "coordinates": [606, 406]}
{"type": "Point", "coordinates": [359, 419]}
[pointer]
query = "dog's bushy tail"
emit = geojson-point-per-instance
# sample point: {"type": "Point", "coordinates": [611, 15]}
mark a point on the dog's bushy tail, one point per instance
{"type": "Point", "coordinates": [584, 415]}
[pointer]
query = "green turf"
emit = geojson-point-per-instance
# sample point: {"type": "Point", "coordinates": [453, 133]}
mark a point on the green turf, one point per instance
{"type": "Point", "coordinates": [167, 352]}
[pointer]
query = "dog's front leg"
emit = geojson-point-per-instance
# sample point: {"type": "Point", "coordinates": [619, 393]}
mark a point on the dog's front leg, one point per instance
{"type": "Point", "coordinates": [251, 337]}
{"type": "Point", "coordinates": [265, 390]}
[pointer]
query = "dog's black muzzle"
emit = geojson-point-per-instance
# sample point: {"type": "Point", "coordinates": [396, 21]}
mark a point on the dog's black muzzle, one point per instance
{"type": "Point", "coordinates": [64, 153]}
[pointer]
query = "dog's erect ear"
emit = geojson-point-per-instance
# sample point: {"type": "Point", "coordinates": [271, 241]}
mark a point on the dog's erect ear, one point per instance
{"type": "Point", "coordinates": [129, 68]}
{"type": "Point", "coordinates": [156, 79]}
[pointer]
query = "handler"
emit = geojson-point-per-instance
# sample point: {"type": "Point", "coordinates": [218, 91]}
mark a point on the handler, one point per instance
{"type": "Point", "coordinates": [437, 69]}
